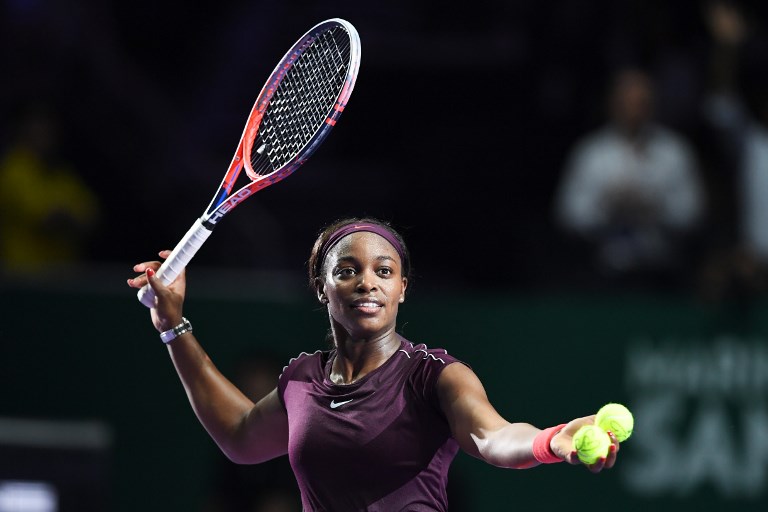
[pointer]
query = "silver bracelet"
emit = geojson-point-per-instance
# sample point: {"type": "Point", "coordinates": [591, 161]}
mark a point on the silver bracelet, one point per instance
{"type": "Point", "coordinates": [172, 334]}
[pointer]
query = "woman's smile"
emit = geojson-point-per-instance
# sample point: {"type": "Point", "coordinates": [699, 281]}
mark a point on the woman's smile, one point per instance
{"type": "Point", "coordinates": [367, 305]}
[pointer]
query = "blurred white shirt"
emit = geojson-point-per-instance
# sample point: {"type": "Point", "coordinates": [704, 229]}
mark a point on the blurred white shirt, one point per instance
{"type": "Point", "coordinates": [662, 173]}
{"type": "Point", "coordinates": [754, 192]}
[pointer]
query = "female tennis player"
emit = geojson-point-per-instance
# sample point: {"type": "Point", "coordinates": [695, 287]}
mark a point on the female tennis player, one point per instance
{"type": "Point", "coordinates": [375, 422]}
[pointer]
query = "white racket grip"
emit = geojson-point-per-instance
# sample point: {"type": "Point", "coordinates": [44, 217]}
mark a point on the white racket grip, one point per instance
{"type": "Point", "coordinates": [177, 261]}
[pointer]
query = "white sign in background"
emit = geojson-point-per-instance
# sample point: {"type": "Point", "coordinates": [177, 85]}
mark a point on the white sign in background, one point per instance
{"type": "Point", "coordinates": [701, 417]}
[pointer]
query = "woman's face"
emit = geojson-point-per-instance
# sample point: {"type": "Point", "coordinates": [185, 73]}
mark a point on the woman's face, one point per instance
{"type": "Point", "coordinates": [363, 285]}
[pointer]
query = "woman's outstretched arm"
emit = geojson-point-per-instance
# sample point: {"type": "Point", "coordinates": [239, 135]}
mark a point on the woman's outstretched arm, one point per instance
{"type": "Point", "coordinates": [484, 433]}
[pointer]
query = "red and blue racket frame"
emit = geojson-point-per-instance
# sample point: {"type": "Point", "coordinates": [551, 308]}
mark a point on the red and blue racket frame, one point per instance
{"type": "Point", "coordinates": [224, 201]}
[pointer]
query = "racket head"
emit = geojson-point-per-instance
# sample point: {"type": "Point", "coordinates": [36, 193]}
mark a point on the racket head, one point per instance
{"type": "Point", "coordinates": [301, 101]}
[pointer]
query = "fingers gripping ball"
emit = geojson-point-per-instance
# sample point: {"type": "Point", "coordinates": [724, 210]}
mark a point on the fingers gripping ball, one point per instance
{"type": "Point", "coordinates": [592, 443]}
{"type": "Point", "coordinates": [617, 419]}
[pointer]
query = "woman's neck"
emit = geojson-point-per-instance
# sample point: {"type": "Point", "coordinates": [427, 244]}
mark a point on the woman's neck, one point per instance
{"type": "Point", "coordinates": [357, 358]}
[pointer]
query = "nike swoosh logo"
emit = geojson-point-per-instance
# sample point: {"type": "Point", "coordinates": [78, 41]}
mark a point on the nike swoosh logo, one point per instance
{"type": "Point", "coordinates": [335, 404]}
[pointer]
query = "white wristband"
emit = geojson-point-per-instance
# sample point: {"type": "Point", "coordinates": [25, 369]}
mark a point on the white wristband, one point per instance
{"type": "Point", "coordinates": [172, 334]}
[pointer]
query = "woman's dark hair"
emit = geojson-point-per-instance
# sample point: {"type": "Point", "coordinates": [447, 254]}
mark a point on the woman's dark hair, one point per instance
{"type": "Point", "coordinates": [315, 264]}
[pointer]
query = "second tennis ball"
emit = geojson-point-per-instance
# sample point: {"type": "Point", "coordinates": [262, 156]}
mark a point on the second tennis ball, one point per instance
{"type": "Point", "coordinates": [592, 443]}
{"type": "Point", "coordinates": [617, 419]}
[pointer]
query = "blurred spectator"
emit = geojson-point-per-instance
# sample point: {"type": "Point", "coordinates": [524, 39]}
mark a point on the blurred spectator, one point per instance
{"type": "Point", "coordinates": [47, 212]}
{"type": "Point", "coordinates": [266, 487]}
{"type": "Point", "coordinates": [738, 122]}
{"type": "Point", "coordinates": [631, 191]}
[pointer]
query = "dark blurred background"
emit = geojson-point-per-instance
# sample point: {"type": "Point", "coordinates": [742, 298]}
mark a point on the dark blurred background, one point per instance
{"type": "Point", "coordinates": [459, 130]}
{"type": "Point", "coordinates": [565, 172]}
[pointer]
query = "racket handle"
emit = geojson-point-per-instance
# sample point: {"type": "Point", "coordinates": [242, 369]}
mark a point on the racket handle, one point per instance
{"type": "Point", "coordinates": [177, 261]}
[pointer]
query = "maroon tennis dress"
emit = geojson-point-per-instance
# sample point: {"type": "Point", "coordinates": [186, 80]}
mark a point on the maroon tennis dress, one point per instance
{"type": "Point", "coordinates": [380, 444]}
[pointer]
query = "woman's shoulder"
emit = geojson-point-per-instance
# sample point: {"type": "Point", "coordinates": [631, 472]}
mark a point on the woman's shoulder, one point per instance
{"type": "Point", "coordinates": [424, 365]}
{"type": "Point", "coordinates": [306, 362]}
{"type": "Point", "coordinates": [421, 354]}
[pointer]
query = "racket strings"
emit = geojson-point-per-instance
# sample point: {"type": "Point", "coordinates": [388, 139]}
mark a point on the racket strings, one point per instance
{"type": "Point", "coordinates": [303, 101]}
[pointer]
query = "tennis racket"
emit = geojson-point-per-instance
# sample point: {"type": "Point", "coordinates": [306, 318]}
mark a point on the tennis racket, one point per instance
{"type": "Point", "coordinates": [293, 114]}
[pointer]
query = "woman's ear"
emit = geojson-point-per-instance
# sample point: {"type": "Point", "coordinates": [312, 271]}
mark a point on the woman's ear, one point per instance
{"type": "Point", "coordinates": [320, 291]}
{"type": "Point", "coordinates": [402, 292]}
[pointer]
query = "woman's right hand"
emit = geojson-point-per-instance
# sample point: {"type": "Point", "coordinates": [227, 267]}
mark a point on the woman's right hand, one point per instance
{"type": "Point", "coordinates": [169, 300]}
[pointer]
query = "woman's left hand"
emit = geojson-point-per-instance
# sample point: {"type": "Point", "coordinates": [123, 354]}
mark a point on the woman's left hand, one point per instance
{"type": "Point", "coordinates": [562, 446]}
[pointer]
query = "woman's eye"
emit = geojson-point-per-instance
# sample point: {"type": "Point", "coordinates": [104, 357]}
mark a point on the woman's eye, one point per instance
{"type": "Point", "coordinates": [346, 271]}
{"type": "Point", "coordinates": [385, 271]}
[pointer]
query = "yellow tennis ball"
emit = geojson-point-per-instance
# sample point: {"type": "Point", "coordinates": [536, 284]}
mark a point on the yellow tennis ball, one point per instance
{"type": "Point", "coordinates": [592, 443]}
{"type": "Point", "coordinates": [617, 419]}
